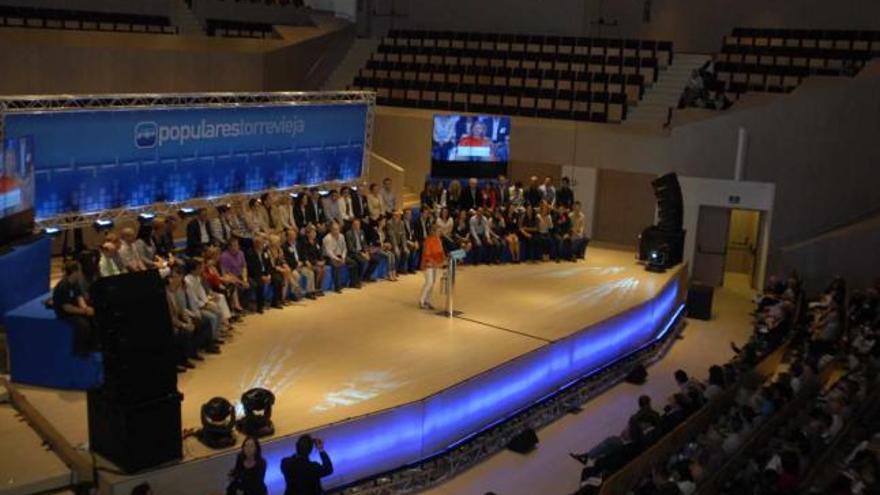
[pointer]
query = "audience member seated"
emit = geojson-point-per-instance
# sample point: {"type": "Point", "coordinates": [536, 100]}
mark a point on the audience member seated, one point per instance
{"type": "Point", "coordinates": [191, 334]}
{"type": "Point", "coordinates": [261, 274]}
{"type": "Point", "coordinates": [716, 443]}
{"type": "Point", "coordinates": [198, 233]}
{"type": "Point", "coordinates": [380, 245]}
{"type": "Point", "coordinates": [336, 253]}
{"type": "Point", "coordinates": [71, 305]}
{"type": "Point", "coordinates": [300, 267]}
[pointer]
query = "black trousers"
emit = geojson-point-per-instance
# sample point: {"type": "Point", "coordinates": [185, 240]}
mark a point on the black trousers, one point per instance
{"type": "Point", "coordinates": [367, 264]}
{"type": "Point", "coordinates": [84, 340]}
{"type": "Point", "coordinates": [259, 287]}
{"type": "Point", "coordinates": [354, 273]}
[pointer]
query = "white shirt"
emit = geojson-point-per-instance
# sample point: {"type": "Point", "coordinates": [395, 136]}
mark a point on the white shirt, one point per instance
{"type": "Point", "coordinates": [444, 227]}
{"type": "Point", "coordinates": [203, 228]}
{"type": "Point", "coordinates": [130, 256]}
{"type": "Point", "coordinates": [197, 298]}
{"type": "Point", "coordinates": [388, 200]}
{"type": "Point", "coordinates": [334, 248]}
{"type": "Point", "coordinates": [345, 210]}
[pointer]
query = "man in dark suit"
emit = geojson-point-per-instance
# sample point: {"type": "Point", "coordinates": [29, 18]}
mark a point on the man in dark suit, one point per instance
{"type": "Point", "coordinates": [564, 195]}
{"type": "Point", "coordinates": [503, 191]}
{"type": "Point", "coordinates": [359, 251]}
{"type": "Point", "coordinates": [533, 195]}
{"type": "Point", "coordinates": [260, 274]}
{"type": "Point", "coordinates": [301, 475]}
{"type": "Point", "coordinates": [358, 204]}
{"type": "Point", "coordinates": [198, 234]}
{"type": "Point", "coordinates": [471, 199]}
{"type": "Point", "coordinates": [315, 211]}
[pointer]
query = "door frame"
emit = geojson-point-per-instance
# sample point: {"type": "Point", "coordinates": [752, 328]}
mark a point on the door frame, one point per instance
{"type": "Point", "coordinates": [738, 195]}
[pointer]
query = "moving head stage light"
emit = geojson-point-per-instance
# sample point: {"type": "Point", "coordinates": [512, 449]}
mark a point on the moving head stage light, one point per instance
{"type": "Point", "coordinates": [218, 424]}
{"type": "Point", "coordinates": [257, 420]}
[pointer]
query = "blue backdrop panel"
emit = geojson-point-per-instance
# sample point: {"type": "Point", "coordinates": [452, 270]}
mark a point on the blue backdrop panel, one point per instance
{"type": "Point", "coordinates": [25, 273]}
{"type": "Point", "coordinates": [87, 161]}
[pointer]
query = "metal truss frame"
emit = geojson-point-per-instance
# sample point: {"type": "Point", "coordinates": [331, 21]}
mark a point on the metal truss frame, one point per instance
{"type": "Point", "coordinates": [72, 103]}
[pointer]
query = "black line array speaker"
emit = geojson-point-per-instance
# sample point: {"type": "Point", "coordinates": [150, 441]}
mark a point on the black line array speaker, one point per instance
{"type": "Point", "coordinates": [670, 206]}
{"type": "Point", "coordinates": [667, 236]}
{"type": "Point", "coordinates": [134, 417]}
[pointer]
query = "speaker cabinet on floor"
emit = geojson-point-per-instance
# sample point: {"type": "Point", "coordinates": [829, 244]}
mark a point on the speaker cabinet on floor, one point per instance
{"type": "Point", "coordinates": [135, 436]}
{"type": "Point", "coordinates": [699, 301]}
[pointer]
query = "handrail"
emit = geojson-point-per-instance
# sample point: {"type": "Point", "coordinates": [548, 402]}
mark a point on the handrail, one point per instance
{"type": "Point", "coordinates": [79, 464]}
{"type": "Point", "coordinates": [387, 162]}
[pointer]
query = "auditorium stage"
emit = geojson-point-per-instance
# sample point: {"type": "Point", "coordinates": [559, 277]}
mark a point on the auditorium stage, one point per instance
{"type": "Point", "coordinates": [386, 383]}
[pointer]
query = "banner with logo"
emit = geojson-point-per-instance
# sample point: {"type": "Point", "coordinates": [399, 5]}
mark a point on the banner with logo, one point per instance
{"type": "Point", "coordinates": [89, 161]}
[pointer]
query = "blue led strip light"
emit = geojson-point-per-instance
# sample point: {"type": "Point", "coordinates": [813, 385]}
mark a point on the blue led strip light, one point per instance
{"type": "Point", "coordinates": [386, 440]}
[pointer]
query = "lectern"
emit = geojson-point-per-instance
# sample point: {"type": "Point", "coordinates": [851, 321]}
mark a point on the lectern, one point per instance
{"type": "Point", "coordinates": [449, 282]}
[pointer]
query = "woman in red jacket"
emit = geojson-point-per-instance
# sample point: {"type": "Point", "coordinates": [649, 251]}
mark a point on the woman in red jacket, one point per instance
{"type": "Point", "coordinates": [433, 259]}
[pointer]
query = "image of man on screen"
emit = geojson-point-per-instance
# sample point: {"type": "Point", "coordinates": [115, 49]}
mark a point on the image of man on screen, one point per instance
{"type": "Point", "coordinates": [444, 136]}
{"type": "Point", "coordinates": [475, 146]}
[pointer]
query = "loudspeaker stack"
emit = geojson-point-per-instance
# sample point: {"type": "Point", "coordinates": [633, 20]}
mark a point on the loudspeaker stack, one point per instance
{"type": "Point", "coordinates": [668, 235]}
{"type": "Point", "coordinates": [134, 417]}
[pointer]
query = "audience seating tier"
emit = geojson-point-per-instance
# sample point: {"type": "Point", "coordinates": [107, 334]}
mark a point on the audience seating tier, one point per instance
{"type": "Point", "coordinates": [504, 80]}
{"type": "Point", "coordinates": [237, 29]}
{"type": "Point", "coordinates": [612, 64]}
{"type": "Point", "coordinates": [544, 44]}
{"type": "Point", "coordinates": [596, 106]}
{"type": "Point", "coordinates": [805, 38]}
{"type": "Point", "coordinates": [38, 18]}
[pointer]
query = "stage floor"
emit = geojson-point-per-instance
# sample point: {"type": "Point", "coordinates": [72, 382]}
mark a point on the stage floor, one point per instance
{"type": "Point", "coordinates": [373, 349]}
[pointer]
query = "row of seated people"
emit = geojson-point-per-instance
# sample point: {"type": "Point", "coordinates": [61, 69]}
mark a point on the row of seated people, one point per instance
{"type": "Point", "coordinates": [859, 471]}
{"type": "Point", "coordinates": [502, 43]}
{"type": "Point", "coordinates": [255, 251]}
{"type": "Point", "coordinates": [754, 406]}
{"type": "Point", "coordinates": [789, 455]}
{"type": "Point", "coordinates": [774, 315]}
{"type": "Point", "coordinates": [41, 18]}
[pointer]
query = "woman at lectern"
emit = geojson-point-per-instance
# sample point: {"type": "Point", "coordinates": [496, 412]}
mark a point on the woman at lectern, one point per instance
{"type": "Point", "coordinates": [432, 260]}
